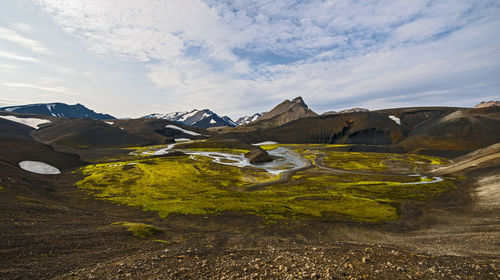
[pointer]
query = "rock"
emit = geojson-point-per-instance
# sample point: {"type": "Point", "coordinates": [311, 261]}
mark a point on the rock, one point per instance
{"type": "Point", "coordinates": [258, 156]}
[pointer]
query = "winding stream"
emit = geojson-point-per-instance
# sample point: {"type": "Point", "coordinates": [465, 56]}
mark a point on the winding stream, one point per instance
{"type": "Point", "coordinates": [284, 160]}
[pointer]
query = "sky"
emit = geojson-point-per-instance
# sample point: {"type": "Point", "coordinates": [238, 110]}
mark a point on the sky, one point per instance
{"type": "Point", "coordinates": [131, 58]}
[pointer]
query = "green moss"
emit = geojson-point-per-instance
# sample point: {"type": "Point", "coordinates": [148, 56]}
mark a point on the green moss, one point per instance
{"type": "Point", "coordinates": [270, 147]}
{"type": "Point", "coordinates": [378, 162]}
{"type": "Point", "coordinates": [198, 186]}
{"type": "Point", "coordinates": [221, 150]}
{"type": "Point", "coordinates": [139, 229]}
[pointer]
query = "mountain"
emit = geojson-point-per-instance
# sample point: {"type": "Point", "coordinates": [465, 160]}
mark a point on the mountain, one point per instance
{"type": "Point", "coordinates": [229, 121]}
{"type": "Point", "coordinates": [87, 134]}
{"type": "Point", "coordinates": [463, 129]}
{"type": "Point", "coordinates": [353, 110]}
{"type": "Point", "coordinates": [285, 112]}
{"type": "Point", "coordinates": [58, 110]}
{"type": "Point", "coordinates": [19, 145]}
{"type": "Point", "coordinates": [485, 104]}
{"type": "Point", "coordinates": [199, 118]}
{"type": "Point", "coordinates": [443, 131]}
{"type": "Point", "coordinates": [329, 113]}
{"type": "Point", "coordinates": [357, 128]}
{"type": "Point", "coordinates": [249, 119]}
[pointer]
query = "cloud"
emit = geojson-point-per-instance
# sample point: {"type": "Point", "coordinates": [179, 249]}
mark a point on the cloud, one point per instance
{"type": "Point", "coordinates": [14, 56]}
{"type": "Point", "coordinates": [21, 26]}
{"type": "Point", "coordinates": [54, 89]}
{"type": "Point", "coordinates": [244, 56]}
{"type": "Point", "coordinates": [14, 37]}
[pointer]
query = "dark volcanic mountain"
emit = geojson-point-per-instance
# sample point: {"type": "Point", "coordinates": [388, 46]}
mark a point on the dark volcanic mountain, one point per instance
{"type": "Point", "coordinates": [462, 129]}
{"type": "Point", "coordinates": [354, 128]}
{"type": "Point", "coordinates": [442, 131]}
{"type": "Point", "coordinates": [58, 110]}
{"type": "Point", "coordinates": [160, 130]}
{"type": "Point", "coordinates": [199, 118]}
{"type": "Point", "coordinates": [87, 134]}
{"type": "Point", "coordinates": [18, 145]}
{"type": "Point", "coordinates": [285, 112]}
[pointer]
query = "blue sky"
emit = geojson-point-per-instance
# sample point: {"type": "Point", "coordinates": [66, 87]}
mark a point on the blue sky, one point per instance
{"type": "Point", "coordinates": [132, 58]}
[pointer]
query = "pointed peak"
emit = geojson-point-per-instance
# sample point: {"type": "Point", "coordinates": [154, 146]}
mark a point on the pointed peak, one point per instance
{"type": "Point", "coordinates": [298, 99]}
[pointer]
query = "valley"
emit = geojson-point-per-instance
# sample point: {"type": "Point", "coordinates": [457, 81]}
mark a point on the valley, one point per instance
{"type": "Point", "coordinates": [392, 194]}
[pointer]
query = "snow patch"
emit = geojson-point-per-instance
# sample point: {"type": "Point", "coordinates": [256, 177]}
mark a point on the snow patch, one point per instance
{"type": "Point", "coordinates": [33, 122]}
{"type": "Point", "coordinates": [110, 123]}
{"type": "Point", "coordinates": [183, 130]}
{"type": "Point", "coordinates": [12, 109]}
{"type": "Point", "coordinates": [265, 143]}
{"type": "Point", "coordinates": [182, 140]}
{"type": "Point", "coordinates": [188, 115]}
{"type": "Point", "coordinates": [38, 167]}
{"type": "Point", "coordinates": [50, 107]}
{"type": "Point", "coordinates": [212, 121]}
{"type": "Point", "coordinates": [395, 119]}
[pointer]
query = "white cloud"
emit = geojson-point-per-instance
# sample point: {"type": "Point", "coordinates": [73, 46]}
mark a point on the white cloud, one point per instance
{"type": "Point", "coordinates": [16, 38]}
{"type": "Point", "coordinates": [54, 89]}
{"type": "Point", "coordinates": [14, 56]}
{"type": "Point", "coordinates": [340, 52]}
{"type": "Point", "coordinates": [21, 26]}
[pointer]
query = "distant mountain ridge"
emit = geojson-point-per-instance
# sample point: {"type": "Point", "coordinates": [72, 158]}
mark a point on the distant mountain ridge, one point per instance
{"type": "Point", "coordinates": [486, 104]}
{"type": "Point", "coordinates": [353, 110]}
{"type": "Point", "coordinates": [249, 119]}
{"type": "Point", "coordinates": [58, 110]}
{"type": "Point", "coordinates": [198, 118]}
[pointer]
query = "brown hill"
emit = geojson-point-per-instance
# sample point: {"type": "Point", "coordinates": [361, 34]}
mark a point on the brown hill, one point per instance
{"type": "Point", "coordinates": [459, 130]}
{"type": "Point", "coordinates": [18, 145]}
{"type": "Point", "coordinates": [156, 130]}
{"type": "Point", "coordinates": [87, 134]}
{"type": "Point", "coordinates": [285, 112]}
{"type": "Point", "coordinates": [487, 104]}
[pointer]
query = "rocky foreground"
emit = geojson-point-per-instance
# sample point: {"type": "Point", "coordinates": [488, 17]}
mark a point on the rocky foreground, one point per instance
{"type": "Point", "coordinates": [340, 261]}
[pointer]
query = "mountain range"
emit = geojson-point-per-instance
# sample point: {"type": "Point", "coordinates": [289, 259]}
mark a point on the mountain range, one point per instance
{"type": "Point", "coordinates": [198, 118]}
{"type": "Point", "coordinates": [58, 110]}
{"type": "Point", "coordinates": [249, 119]}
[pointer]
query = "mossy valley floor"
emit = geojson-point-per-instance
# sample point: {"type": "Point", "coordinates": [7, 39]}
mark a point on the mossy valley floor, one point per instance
{"type": "Point", "coordinates": [195, 185]}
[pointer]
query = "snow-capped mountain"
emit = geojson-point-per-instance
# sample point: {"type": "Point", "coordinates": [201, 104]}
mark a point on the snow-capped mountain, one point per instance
{"type": "Point", "coordinates": [199, 118]}
{"type": "Point", "coordinates": [249, 119]}
{"type": "Point", "coordinates": [58, 110]}
{"type": "Point", "coordinates": [229, 121]}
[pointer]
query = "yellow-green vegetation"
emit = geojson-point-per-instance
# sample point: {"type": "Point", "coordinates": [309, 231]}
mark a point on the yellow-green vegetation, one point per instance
{"type": "Point", "coordinates": [377, 162]}
{"type": "Point", "coordinates": [1, 189]}
{"type": "Point", "coordinates": [139, 229]}
{"type": "Point", "coordinates": [270, 147]}
{"type": "Point", "coordinates": [301, 146]}
{"type": "Point", "coordinates": [198, 186]}
{"type": "Point", "coordinates": [145, 148]}
{"type": "Point", "coordinates": [220, 150]}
